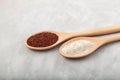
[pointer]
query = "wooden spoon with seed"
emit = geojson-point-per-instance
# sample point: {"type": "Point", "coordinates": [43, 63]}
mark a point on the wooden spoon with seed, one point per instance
{"type": "Point", "coordinates": [97, 42]}
{"type": "Point", "coordinates": [63, 36]}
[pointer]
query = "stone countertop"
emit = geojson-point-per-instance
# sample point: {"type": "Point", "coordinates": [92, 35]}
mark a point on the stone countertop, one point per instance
{"type": "Point", "coordinates": [21, 18]}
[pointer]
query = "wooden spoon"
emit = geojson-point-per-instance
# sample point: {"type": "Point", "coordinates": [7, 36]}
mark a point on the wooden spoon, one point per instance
{"type": "Point", "coordinates": [65, 36]}
{"type": "Point", "coordinates": [97, 42]}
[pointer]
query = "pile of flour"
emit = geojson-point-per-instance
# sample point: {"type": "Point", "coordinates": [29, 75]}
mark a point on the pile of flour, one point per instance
{"type": "Point", "coordinates": [77, 47]}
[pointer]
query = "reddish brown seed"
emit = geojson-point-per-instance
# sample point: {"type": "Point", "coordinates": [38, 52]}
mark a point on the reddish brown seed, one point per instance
{"type": "Point", "coordinates": [43, 39]}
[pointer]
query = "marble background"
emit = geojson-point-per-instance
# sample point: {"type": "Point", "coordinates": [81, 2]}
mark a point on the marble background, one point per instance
{"type": "Point", "coordinates": [21, 18]}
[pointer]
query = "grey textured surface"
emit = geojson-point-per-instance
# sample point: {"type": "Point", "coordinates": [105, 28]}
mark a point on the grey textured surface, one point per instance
{"type": "Point", "coordinates": [21, 18]}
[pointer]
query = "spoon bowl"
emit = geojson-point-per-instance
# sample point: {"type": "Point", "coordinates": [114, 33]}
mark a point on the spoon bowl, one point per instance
{"type": "Point", "coordinates": [62, 36]}
{"type": "Point", "coordinates": [96, 44]}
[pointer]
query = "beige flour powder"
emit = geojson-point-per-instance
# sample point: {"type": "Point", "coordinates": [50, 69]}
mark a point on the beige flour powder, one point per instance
{"type": "Point", "coordinates": [77, 47]}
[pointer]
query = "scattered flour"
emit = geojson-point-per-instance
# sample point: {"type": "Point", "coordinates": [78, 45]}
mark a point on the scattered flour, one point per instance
{"type": "Point", "coordinates": [77, 47]}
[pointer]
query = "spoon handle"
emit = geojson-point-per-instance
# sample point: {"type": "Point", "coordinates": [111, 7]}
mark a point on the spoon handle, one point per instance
{"type": "Point", "coordinates": [112, 38]}
{"type": "Point", "coordinates": [99, 31]}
